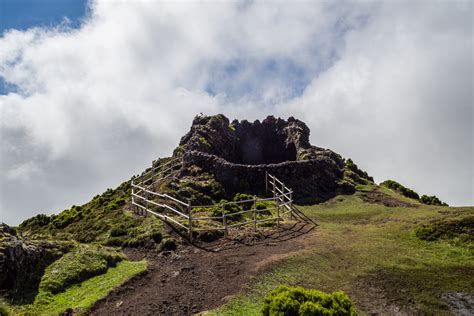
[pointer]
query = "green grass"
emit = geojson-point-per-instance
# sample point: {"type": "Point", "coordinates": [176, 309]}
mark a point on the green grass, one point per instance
{"type": "Point", "coordinates": [83, 262]}
{"type": "Point", "coordinates": [372, 253]}
{"type": "Point", "coordinates": [81, 297]}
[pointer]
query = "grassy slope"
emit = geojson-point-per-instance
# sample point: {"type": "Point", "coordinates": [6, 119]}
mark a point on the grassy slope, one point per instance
{"type": "Point", "coordinates": [82, 296]}
{"type": "Point", "coordinates": [371, 252]}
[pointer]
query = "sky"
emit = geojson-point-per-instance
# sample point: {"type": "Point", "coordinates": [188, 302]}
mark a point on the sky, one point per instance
{"type": "Point", "coordinates": [92, 91]}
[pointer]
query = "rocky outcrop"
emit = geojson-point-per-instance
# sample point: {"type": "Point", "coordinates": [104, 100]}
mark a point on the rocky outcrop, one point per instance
{"type": "Point", "coordinates": [22, 262]}
{"type": "Point", "coordinates": [234, 157]}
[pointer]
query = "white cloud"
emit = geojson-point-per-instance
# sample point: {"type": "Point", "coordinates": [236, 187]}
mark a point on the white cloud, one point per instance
{"type": "Point", "coordinates": [388, 83]}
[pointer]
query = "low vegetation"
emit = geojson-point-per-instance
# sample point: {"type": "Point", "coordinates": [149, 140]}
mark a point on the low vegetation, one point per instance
{"type": "Point", "coordinates": [104, 219]}
{"type": "Point", "coordinates": [461, 229]}
{"type": "Point", "coordinates": [432, 200]}
{"type": "Point", "coordinates": [83, 262]}
{"type": "Point", "coordinates": [409, 193]}
{"type": "Point", "coordinates": [82, 296]}
{"type": "Point", "coordinates": [299, 301]}
{"type": "Point", "coordinates": [373, 253]}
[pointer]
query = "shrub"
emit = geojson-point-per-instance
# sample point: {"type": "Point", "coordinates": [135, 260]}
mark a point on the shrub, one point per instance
{"type": "Point", "coordinates": [78, 265]}
{"type": "Point", "coordinates": [168, 244]}
{"type": "Point", "coordinates": [118, 231]}
{"type": "Point", "coordinates": [243, 197]}
{"type": "Point", "coordinates": [350, 165]}
{"type": "Point", "coordinates": [229, 208]}
{"type": "Point", "coordinates": [66, 217]}
{"type": "Point", "coordinates": [299, 301]}
{"type": "Point", "coordinates": [37, 221]}
{"type": "Point", "coordinates": [211, 235]}
{"type": "Point", "coordinates": [432, 200]}
{"type": "Point", "coordinates": [394, 185]}
{"type": "Point", "coordinates": [448, 229]}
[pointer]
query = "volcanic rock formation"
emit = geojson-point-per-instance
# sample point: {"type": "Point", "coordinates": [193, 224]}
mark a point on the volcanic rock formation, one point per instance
{"type": "Point", "coordinates": [221, 158]}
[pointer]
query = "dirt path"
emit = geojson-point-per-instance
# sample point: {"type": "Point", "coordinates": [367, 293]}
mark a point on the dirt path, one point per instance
{"type": "Point", "coordinates": [192, 280]}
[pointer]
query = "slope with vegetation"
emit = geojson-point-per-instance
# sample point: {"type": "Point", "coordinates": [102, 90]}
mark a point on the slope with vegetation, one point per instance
{"type": "Point", "coordinates": [389, 260]}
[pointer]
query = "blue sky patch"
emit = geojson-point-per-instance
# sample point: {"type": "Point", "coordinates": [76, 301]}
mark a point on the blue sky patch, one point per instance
{"type": "Point", "coordinates": [25, 14]}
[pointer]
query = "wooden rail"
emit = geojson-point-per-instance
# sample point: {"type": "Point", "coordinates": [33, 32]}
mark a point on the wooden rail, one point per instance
{"type": "Point", "coordinates": [143, 194]}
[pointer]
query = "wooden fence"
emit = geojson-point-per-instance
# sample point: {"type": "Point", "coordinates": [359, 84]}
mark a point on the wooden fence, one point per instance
{"type": "Point", "coordinates": [175, 211]}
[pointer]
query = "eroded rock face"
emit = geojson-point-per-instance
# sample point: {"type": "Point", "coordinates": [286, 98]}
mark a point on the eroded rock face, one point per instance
{"type": "Point", "coordinates": [22, 262]}
{"type": "Point", "coordinates": [234, 157]}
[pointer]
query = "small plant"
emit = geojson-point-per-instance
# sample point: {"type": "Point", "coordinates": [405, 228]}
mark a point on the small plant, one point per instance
{"type": "Point", "coordinates": [211, 235]}
{"type": "Point", "coordinates": [168, 244]}
{"type": "Point", "coordinates": [299, 301]}
{"type": "Point", "coordinates": [204, 141]}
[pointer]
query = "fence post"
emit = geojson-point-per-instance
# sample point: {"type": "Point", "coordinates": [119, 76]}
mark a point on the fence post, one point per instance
{"type": "Point", "coordinates": [266, 182]}
{"type": "Point", "coordinates": [224, 220]}
{"type": "Point", "coordinates": [274, 187]}
{"type": "Point", "coordinates": [283, 197]}
{"type": "Point", "coordinates": [278, 211]}
{"type": "Point", "coordinates": [132, 206]}
{"type": "Point", "coordinates": [190, 223]}
{"type": "Point", "coordinates": [291, 204]}
{"type": "Point", "coordinates": [254, 214]}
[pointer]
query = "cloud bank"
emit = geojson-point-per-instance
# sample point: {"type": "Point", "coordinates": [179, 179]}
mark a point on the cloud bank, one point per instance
{"type": "Point", "coordinates": [388, 84]}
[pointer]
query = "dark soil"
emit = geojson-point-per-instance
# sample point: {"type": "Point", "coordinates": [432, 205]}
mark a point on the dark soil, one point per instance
{"type": "Point", "coordinates": [378, 197]}
{"type": "Point", "coordinates": [194, 279]}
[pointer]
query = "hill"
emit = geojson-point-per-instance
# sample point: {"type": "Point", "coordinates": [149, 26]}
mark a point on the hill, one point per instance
{"type": "Point", "coordinates": [389, 249]}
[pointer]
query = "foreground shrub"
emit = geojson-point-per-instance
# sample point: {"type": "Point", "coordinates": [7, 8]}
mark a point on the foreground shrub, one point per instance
{"type": "Point", "coordinates": [78, 265]}
{"type": "Point", "coordinates": [299, 301]}
{"type": "Point", "coordinates": [448, 229]}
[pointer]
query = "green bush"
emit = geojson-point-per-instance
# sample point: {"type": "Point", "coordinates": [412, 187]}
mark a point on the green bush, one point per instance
{"type": "Point", "coordinates": [243, 197]}
{"type": "Point", "coordinates": [147, 239]}
{"type": "Point", "coordinates": [118, 231]}
{"type": "Point", "coordinates": [432, 200]}
{"type": "Point", "coordinates": [210, 235]}
{"type": "Point", "coordinates": [448, 229]}
{"type": "Point", "coordinates": [39, 220]}
{"type": "Point", "coordinates": [394, 185]}
{"type": "Point", "coordinates": [299, 301]}
{"type": "Point", "coordinates": [78, 265]}
{"type": "Point", "coordinates": [168, 245]}
{"type": "Point", "coordinates": [229, 208]}
{"type": "Point", "coordinates": [66, 217]}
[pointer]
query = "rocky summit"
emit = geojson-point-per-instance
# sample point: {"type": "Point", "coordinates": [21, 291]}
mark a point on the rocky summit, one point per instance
{"type": "Point", "coordinates": [221, 158]}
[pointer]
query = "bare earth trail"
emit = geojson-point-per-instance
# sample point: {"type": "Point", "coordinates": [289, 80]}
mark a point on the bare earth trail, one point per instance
{"type": "Point", "coordinates": [193, 279]}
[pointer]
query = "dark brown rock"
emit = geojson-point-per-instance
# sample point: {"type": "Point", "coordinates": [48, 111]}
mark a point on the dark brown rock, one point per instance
{"type": "Point", "coordinates": [235, 157]}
